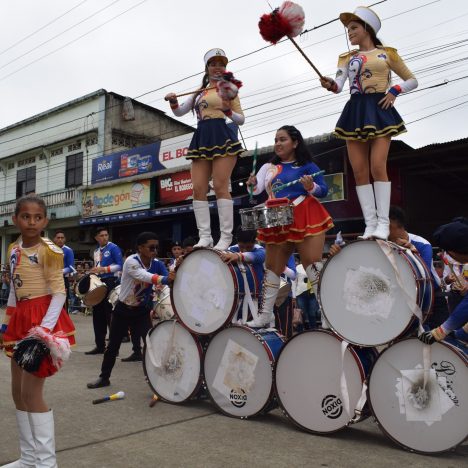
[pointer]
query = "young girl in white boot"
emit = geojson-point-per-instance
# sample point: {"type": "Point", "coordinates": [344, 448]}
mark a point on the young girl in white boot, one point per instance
{"type": "Point", "coordinates": [369, 120]}
{"type": "Point", "coordinates": [213, 150]}
{"type": "Point", "coordinates": [35, 304]}
{"type": "Point", "coordinates": [311, 220]}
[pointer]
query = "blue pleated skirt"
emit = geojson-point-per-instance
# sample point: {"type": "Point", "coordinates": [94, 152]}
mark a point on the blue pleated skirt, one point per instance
{"type": "Point", "coordinates": [363, 119]}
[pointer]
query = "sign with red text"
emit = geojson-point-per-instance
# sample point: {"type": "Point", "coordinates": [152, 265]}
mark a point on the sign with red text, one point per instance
{"type": "Point", "coordinates": [175, 187]}
{"type": "Point", "coordinates": [173, 151]}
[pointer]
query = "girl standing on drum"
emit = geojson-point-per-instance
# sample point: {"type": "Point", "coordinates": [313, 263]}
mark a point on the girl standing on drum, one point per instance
{"type": "Point", "coordinates": [35, 304]}
{"type": "Point", "coordinates": [213, 150]}
{"type": "Point", "coordinates": [369, 119]}
{"type": "Point", "coordinates": [307, 232]}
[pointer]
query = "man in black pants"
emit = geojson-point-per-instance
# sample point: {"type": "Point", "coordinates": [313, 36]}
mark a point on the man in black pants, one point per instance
{"type": "Point", "coordinates": [140, 272]}
{"type": "Point", "coordinates": [107, 263]}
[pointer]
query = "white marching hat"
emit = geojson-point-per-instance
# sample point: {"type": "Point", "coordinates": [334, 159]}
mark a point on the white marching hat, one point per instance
{"type": "Point", "coordinates": [219, 53]}
{"type": "Point", "coordinates": [362, 14]}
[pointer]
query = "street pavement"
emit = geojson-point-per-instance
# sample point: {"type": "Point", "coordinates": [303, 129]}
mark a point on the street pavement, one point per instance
{"type": "Point", "coordinates": [128, 433]}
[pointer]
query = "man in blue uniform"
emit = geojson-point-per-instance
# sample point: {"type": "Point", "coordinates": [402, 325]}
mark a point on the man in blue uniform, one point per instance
{"type": "Point", "coordinates": [68, 262]}
{"type": "Point", "coordinates": [107, 263]}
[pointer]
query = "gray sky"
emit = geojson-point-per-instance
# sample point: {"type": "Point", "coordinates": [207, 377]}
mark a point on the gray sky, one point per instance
{"type": "Point", "coordinates": [158, 42]}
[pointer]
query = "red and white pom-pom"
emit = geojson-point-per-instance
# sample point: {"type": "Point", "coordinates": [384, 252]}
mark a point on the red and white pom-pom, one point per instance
{"type": "Point", "coordinates": [288, 20]}
{"type": "Point", "coordinates": [57, 343]}
{"type": "Point", "coordinates": [228, 87]}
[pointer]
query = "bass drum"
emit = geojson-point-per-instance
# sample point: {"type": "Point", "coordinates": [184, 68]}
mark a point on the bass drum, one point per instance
{"type": "Point", "coordinates": [308, 378]}
{"type": "Point", "coordinates": [423, 411]}
{"type": "Point", "coordinates": [172, 362]}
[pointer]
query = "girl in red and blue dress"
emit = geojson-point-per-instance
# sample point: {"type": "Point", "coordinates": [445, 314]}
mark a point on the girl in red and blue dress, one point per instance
{"type": "Point", "coordinates": [35, 303]}
{"type": "Point", "coordinates": [311, 220]}
{"type": "Point", "coordinates": [369, 120]}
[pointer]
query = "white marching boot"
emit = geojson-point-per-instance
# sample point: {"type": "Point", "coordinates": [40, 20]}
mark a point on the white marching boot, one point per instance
{"type": "Point", "coordinates": [270, 287]}
{"type": "Point", "coordinates": [42, 426]}
{"type": "Point", "coordinates": [201, 210]}
{"type": "Point", "coordinates": [366, 199]}
{"type": "Point", "coordinates": [27, 445]}
{"type": "Point", "coordinates": [226, 223]}
{"type": "Point", "coordinates": [382, 200]}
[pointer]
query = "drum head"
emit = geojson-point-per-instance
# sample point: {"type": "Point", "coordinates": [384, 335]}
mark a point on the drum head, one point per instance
{"type": "Point", "coordinates": [172, 362]}
{"type": "Point", "coordinates": [307, 379]}
{"type": "Point", "coordinates": [96, 293]}
{"type": "Point", "coordinates": [360, 296]}
{"type": "Point", "coordinates": [204, 292]}
{"type": "Point", "coordinates": [426, 419]}
{"type": "Point", "coordinates": [238, 372]}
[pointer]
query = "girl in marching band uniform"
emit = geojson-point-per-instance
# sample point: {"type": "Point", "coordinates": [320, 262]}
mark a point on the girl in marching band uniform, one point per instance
{"type": "Point", "coordinates": [36, 300]}
{"type": "Point", "coordinates": [311, 220]}
{"type": "Point", "coordinates": [213, 150]}
{"type": "Point", "coordinates": [369, 119]}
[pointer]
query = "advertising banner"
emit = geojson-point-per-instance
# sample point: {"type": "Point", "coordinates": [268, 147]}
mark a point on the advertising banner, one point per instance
{"type": "Point", "coordinates": [336, 190]}
{"type": "Point", "coordinates": [117, 199]}
{"type": "Point", "coordinates": [173, 151]}
{"type": "Point", "coordinates": [175, 187]}
{"type": "Point", "coordinates": [135, 161]}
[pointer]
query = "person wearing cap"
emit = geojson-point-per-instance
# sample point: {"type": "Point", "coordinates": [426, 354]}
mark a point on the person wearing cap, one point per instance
{"type": "Point", "coordinates": [176, 252]}
{"type": "Point", "coordinates": [369, 119]}
{"type": "Point", "coordinates": [452, 237]}
{"type": "Point", "coordinates": [213, 150]}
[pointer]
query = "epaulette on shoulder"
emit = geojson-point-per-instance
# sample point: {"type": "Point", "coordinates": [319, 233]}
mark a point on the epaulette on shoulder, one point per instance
{"type": "Point", "coordinates": [51, 246]}
{"type": "Point", "coordinates": [390, 51]}
{"type": "Point", "coordinates": [53, 255]}
{"type": "Point", "coordinates": [348, 53]}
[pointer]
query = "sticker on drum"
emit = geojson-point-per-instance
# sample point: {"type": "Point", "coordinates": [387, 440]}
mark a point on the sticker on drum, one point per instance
{"type": "Point", "coordinates": [172, 362]}
{"type": "Point", "coordinates": [206, 291]}
{"type": "Point", "coordinates": [238, 369]}
{"type": "Point", "coordinates": [307, 380]}
{"type": "Point", "coordinates": [423, 411]}
{"type": "Point", "coordinates": [361, 298]}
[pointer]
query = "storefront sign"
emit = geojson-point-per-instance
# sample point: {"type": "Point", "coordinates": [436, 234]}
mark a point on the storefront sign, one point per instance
{"type": "Point", "coordinates": [173, 151]}
{"type": "Point", "coordinates": [118, 199]}
{"type": "Point", "coordinates": [140, 160]}
{"type": "Point", "coordinates": [335, 188]}
{"type": "Point", "coordinates": [175, 187]}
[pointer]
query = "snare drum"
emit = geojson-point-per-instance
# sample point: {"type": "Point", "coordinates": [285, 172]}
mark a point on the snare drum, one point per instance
{"type": "Point", "coordinates": [428, 418]}
{"type": "Point", "coordinates": [207, 292]}
{"type": "Point", "coordinates": [114, 296]}
{"type": "Point", "coordinates": [162, 305]}
{"type": "Point", "coordinates": [172, 362]}
{"type": "Point", "coordinates": [308, 376]}
{"type": "Point", "coordinates": [360, 296]}
{"type": "Point", "coordinates": [262, 216]}
{"type": "Point", "coordinates": [239, 370]}
{"type": "Point", "coordinates": [91, 290]}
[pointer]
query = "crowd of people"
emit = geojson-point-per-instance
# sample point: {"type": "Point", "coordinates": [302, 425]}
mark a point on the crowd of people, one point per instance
{"type": "Point", "coordinates": [42, 283]}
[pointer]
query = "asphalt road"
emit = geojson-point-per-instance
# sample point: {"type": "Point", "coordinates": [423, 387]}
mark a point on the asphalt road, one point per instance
{"type": "Point", "coordinates": [127, 433]}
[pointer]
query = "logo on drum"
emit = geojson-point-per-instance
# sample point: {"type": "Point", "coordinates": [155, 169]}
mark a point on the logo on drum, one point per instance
{"type": "Point", "coordinates": [238, 397]}
{"type": "Point", "coordinates": [332, 407]}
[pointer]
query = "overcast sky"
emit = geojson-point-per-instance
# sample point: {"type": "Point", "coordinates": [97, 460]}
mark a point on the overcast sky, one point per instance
{"type": "Point", "coordinates": [158, 42]}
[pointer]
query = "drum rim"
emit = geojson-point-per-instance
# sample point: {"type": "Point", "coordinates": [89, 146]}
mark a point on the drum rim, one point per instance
{"type": "Point", "coordinates": [202, 362]}
{"type": "Point", "coordinates": [83, 297]}
{"type": "Point", "coordinates": [371, 407]}
{"type": "Point", "coordinates": [235, 304]}
{"type": "Point", "coordinates": [355, 357]}
{"type": "Point", "coordinates": [412, 318]}
{"type": "Point", "coordinates": [271, 396]}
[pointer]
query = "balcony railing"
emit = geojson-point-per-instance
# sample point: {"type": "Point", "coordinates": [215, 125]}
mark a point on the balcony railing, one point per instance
{"type": "Point", "coordinates": [51, 199]}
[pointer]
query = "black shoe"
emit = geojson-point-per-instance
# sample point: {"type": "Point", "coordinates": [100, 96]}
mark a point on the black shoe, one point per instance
{"type": "Point", "coordinates": [95, 351]}
{"type": "Point", "coordinates": [133, 358]}
{"type": "Point", "coordinates": [100, 382]}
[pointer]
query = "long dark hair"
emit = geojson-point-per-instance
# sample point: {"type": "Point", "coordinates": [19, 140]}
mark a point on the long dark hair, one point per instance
{"type": "Point", "coordinates": [373, 36]}
{"type": "Point", "coordinates": [204, 84]}
{"type": "Point", "coordinates": [302, 153]}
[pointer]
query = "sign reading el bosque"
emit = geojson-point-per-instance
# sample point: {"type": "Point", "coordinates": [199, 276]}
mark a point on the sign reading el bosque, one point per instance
{"type": "Point", "coordinates": [135, 161]}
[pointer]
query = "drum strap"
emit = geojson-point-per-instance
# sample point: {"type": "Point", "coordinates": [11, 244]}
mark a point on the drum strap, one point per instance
{"type": "Point", "coordinates": [343, 382]}
{"type": "Point", "coordinates": [248, 301]}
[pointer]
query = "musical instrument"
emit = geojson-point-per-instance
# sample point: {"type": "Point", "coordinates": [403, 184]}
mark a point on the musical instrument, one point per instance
{"type": "Point", "coordinates": [172, 362]}
{"type": "Point", "coordinates": [208, 292]}
{"type": "Point", "coordinates": [238, 370]}
{"type": "Point", "coordinates": [273, 213]}
{"type": "Point", "coordinates": [114, 296]}
{"type": "Point", "coordinates": [365, 301]}
{"type": "Point", "coordinates": [423, 408]}
{"type": "Point", "coordinates": [91, 290]}
{"type": "Point", "coordinates": [308, 383]}
{"type": "Point", "coordinates": [162, 305]}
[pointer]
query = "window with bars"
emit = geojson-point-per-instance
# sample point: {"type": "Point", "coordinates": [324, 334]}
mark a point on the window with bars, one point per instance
{"type": "Point", "coordinates": [25, 181]}
{"type": "Point", "coordinates": [74, 170]}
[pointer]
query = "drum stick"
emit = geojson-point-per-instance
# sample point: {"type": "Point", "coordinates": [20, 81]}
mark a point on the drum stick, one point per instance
{"type": "Point", "coordinates": [450, 265]}
{"type": "Point", "coordinates": [153, 401]}
{"type": "Point", "coordinates": [254, 167]}
{"type": "Point", "coordinates": [193, 92]}
{"type": "Point", "coordinates": [115, 396]}
{"type": "Point", "coordinates": [282, 186]}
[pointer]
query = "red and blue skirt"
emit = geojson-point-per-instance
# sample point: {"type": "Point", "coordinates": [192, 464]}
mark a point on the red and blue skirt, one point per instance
{"type": "Point", "coordinates": [364, 119]}
{"type": "Point", "coordinates": [28, 314]}
{"type": "Point", "coordinates": [213, 138]}
{"type": "Point", "coordinates": [310, 219]}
